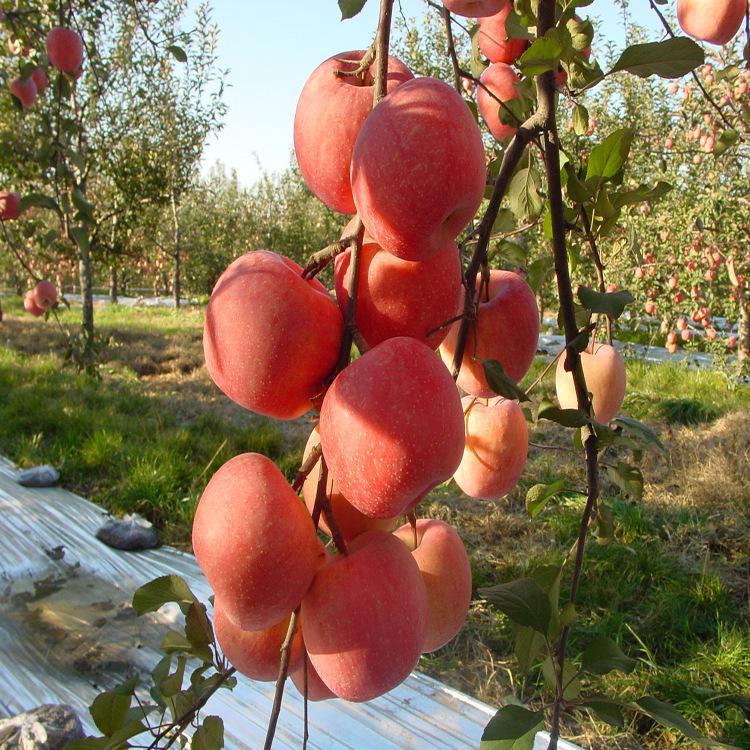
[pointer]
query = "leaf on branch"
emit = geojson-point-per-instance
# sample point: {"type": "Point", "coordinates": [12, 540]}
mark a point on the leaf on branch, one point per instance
{"type": "Point", "coordinates": [544, 54]}
{"type": "Point", "coordinates": [110, 709]}
{"type": "Point", "coordinates": [580, 120]}
{"type": "Point", "coordinates": [527, 646]}
{"type": "Point", "coordinates": [81, 238]}
{"type": "Point", "coordinates": [605, 524]}
{"type": "Point", "coordinates": [540, 494]}
{"type": "Point", "coordinates": [570, 680]}
{"type": "Point", "coordinates": [523, 601]}
{"type": "Point", "coordinates": [538, 271]}
{"type": "Point", "coordinates": [608, 303]}
{"type": "Point", "coordinates": [39, 200]}
{"type": "Point", "coordinates": [209, 735]}
{"type": "Point", "coordinates": [605, 710]}
{"type": "Point", "coordinates": [512, 728]}
{"type": "Point", "coordinates": [501, 383]}
{"type": "Point", "coordinates": [178, 53]}
{"type": "Point", "coordinates": [565, 417]}
{"type": "Point", "coordinates": [154, 594]}
{"type": "Point", "coordinates": [603, 655]}
{"type": "Point", "coordinates": [628, 478]}
{"type": "Point", "coordinates": [672, 58]}
{"type": "Point", "coordinates": [350, 8]}
{"type": "Point", "coordinates": [607, 158]}
{"type": "Point", "coordinates": [640, 194]}
{"type": "Point", "coordinates": [640, 432]}
{"type": "Point", "coordinates": [524, 195]}
{"type": "Point", "coordinates": [726, 139]}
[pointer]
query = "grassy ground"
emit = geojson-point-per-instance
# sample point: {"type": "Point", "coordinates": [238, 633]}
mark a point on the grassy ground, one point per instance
{"type": "Point", "coordinates": [672, 589]}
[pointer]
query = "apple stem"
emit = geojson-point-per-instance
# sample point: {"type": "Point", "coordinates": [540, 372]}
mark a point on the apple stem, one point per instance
{"type": "Point", "coordinates": [306, 467]}
{"type": "Point", "coordinates": [322, 258]}
{"type": "Point", "coordinates": [412, 518]}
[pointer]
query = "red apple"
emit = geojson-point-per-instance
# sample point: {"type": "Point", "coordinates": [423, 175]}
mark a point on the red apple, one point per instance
{"type": "Point", "coordinates": [65, 49]}
{"type": "Point", "coordinates": [45, 294]}
{"type": "Point", "coordinates": [714, 21]}
{"type": "Point", "coordinates": [24, 90]}
{"type": "Point", "coordinates": [9, 203]}
{"type": "Point", "coordinates": [474, 8]}
{"type": "Point", "coordinates": [40, 79]}
{"type": "Point", "coordinates": [442, 560]}
{"type": "Point", "coordinates": [254, 541]}
{"type": "Point", "coordinates": [507, 331]}
{"type": "Point", "coordinates": [270, 337]}
{"type": "Point", "coordinates": [317, 690]}
{"type": "Point", "coordinates": [418, 169]}
{"type": "Point", "coordinates": [30, 305]}
{"type": "Point", "coordinates": [364, 618]}
{"type": "Point", "coordinates": [324, 136]}
{"type": "Point", "coordinates": [604, 371]}
{"type": "Point", "coordinates": [494, 41]}
{"type": "Point", "coordinates": [391, 427]}
{"type": "Point", "coordinates": [500, 79]}
{"type": "Point", "coordinates": [497, 444]}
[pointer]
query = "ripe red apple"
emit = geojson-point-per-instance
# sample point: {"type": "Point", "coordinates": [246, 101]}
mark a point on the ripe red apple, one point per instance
{"type": "Point", "coordinates": [442, 560]}
{"type": "Point", "coordinates": [474, 8]}
{"type": "Point", "coordinates": [604, 371]}
{"type": "Point", "coordinates": [418, 169]}
{"type": "Point", "coordinates": [351, 522]}
{"type": "Point", "coordinates": [254, 541]}
{"type": "Point", "coordinates": [317, 690]}
{"type": "Point", "coordinates": [24, 90]}
{"type": "Point", "coordinates": [714, 21]}
{"type": "Point", "coordinates": [323, 136]}
{"type": "Point", "coordinates": [364, 618]}
{"type": "Point", "coordinates": [494, 41]}
{"type": "Point", "coordinates": [402, 298]}
{"type": "Point", "coordinates": [500, 79]}
{"type": "Point", "coordinates": [40, 79]}
{"type": "Point", "coordinates": [65, 49]}
{"type": "Point", "coordinates": [391, 427]}
{"type": "Point", "coordinates": [45, 294]}
{"type": "Point", "coordinates": [497, 445]}
{"type": "Point", "coordinates": [30, 305]}
{"type": "Point", "coordinates": [507, 331]}
{"type": "Point", "coordinates": [256, 653]}
{"type": "Point", "coordinates": [270, 337]}
{"type": "Point", "coordinates": [9, 203]}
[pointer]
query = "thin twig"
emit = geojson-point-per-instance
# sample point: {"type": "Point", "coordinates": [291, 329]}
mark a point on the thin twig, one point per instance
{"type": "Point", "coordinates": [319, 260]}
{"type": "Point", "coordinates": [281, 679]}
{"type": "Point", "coordinates": [597, 258]}
{"type": "Point", "coordinates": [452, 49]}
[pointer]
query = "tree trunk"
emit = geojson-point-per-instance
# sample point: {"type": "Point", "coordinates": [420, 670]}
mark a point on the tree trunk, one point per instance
{"type": "Point", "coordinates": [113, 284]}
{"type": "Point", "coordinates": [87, 301]}
{"type": "Point", "coordinates": [743, 340]}
{"type": "Point", "coordinates": [176, 281]}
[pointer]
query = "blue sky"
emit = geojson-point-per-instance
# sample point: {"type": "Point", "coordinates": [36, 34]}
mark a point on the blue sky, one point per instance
{"type": "Point", "coordinates": [270, 47]}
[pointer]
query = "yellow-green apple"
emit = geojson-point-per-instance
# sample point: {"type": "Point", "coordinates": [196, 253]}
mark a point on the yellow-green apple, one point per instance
{"type": "Point", "coordinates": [497, 445]}
{"type": "Point", "coordinates": [391, 427]}
{"type": "Point", "coordinates": [398, 297]}
{"type": "Point", "coordinates": [499, 82]}
{"type": "Point", "coordinates": [270, 337]}
{"type": "Point", "coordinates": [24, 90]}
{"type": "Point", "coordinates": [330, 112]}
{"type": "Point", "coordinates": [442, 560]}
{"type": "Point", "coordinates": [364, 618]}
{"type": "Point", "coordinates": [494, 41]}
{"type": "Point", "coordinates": [30, 305]}
{"type": "Point", "coordinates": [65, 49]}
{"type": "Point", "coordinates": [45, 294]}
{"type": "Point", "coordinates": [254, 541]}
{"type": "Point", "coordinates": [256, 653]}
{"type": "Point", "coordinates": [418, 170]}
{"type": "Point", "coordinates": [604, 372]}
{"type": "Point", "coordinates": [350, 521]}
{"type": "Point", "coordinates": [40, 79]}
{"type": "Point", "coordinates": [507, 331]}
{"type": "Point", "coordinates": [474, 8]}
{"type": "Point", "coordinates": [317, 690]}
{"type": "Point", "coordinates": [714, 21]}
{"type": "Point", "coordinates": [9, 204]}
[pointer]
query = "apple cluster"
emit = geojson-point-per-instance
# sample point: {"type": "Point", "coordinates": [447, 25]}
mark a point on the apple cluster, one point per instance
{"type": "Point", "coordinates": [392, 424]}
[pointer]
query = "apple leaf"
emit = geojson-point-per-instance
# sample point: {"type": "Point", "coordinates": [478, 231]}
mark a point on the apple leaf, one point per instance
{"type": "Point", "coordinates": [524, 195]}
{"type": "Point", "coordinates": [512, 728]}
{"type": "Point", "coordinates": [110, 708]}
{"type": "Point", "coordinates": [605, 710]}
{"type": "Point", "coordinates": [523, 601]}
{"type": "Point", "coordinates": [178, 53]}
{"type": "Point", "coordinates": [628, 478]}
{"type": "Point", "coordinates": [540, 494]}
{"type": "Point", "coordinates": [350, 8]}
{"type": "Point", "coordinates": [209, 735]}
{"type": "Point", "coordinates": [501, 383]}
{"type": "Point", "coordinates": [39, 200]}
{"type": "Point", "coordinates": [672, 58]}
{"type": "Point", "coordinates": [727, 138]}
{"type": "Point", "coordinates": [544, 54]}
{"type": "Point", "coordinates": [152, 595]}
{"type": "Point", "coordinates": [607, 158]}
{"type": "Point", "coordinates": [565, 417]}
{"type": "Point", "coordinates": [580, 119]}
{"type": "Point", "coordinates": [640, 432]}
{"type": "Point", "coordinates": [603, 655]}
{"type": "Point", "coordinates": [609, 303]}
{"type": "Point", "coordinates": [527, 646]}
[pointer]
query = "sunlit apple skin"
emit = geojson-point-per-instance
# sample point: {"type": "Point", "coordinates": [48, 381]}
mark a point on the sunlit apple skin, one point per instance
{"type": "Point", "coordinates": [30, 305]}
{"type": "Point", "coordinates": [270, 337]}
{"type": "Point", "coordinates": [254, 542]}
{"type": "Point", "coordinates": [324, 136]}
{"type": "Point", "coordinates": [497, 445]}
{"type": "Point", "coordinates": [713, 21]}
{"type": "Point", "coordinates": [475, 8]}
{"type": "Point", "coordinates": [442, 560]}
{"type": "Point", "coordinates": [364, 618]}
{"type": "Point", "coordinates": [317, 690]}
{"type": "Point", "coordinates": [9, 205]}
{"type": "Point", "coordinates": [24, 91]}
{"type": "Point", "coordinates": [45, 294]}
{"type": "Point", "coordinates": [494, 41]}
{"type": "Point", "coordinates": [418, 170]}
{"type": "Point", "coordinates": [604, 372]}
{"type": "Point", "coordinates": [65, 49]}
{"type": "Point", "coordinates": [256, 653]}
{"type": "Point", "coordinates": [40, 79]}
{"type": "Point", "coordinates": [402, 298]}
{"type": "Point", "coordinates": [350, 521]}
{"type": "Point", "coordinates": [500, 79]}
{"type": "Point", "coordinates": [507, 331]}
{"type": "Point", "coordinates": [391, 427]}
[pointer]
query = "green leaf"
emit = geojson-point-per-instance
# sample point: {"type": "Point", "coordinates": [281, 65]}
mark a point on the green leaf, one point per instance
{"type": "Point", "coordinates": [603, 656]}
{"type": "Point", "coordinates": [605, 710]}
{"type": "Point", "coordinates": [607, 158]}
{"type": "Point", "coordinates": [565, 417]}
{"type": "Point", "coordinates": [39, 200]}
{"type": "Point", "coordinates": [81, 238]}
{"type": "Point", "coordinates": [85, 208]}
{"type": "Point", "coordinates": [540, 494]}
{"type": "Point", "coordinates": [178, 53]}
{"type": "Point", "coordinates": [605, 524]}
{"type": "Point", "coordinates": [154, 594]}
{"type": "Point", "coordinates": [501, 383]}
{"type": "Point", "coordinates": [570, 680]}
{"type": "Point", "coordinates": [609, 303]}
{"type": "Point", "coordinates": [523, 601]}
{"type": "Point", "coordinates": [640, 194]}
{"type": "Point", "coordinates": [198, 631]}
{"type": "Point", "coordinates": [544, 54]}
{"type": "Point", "coordinates": [350, 8]}
{"type": "Point", "coordinates": [209, 735]}
{"type": "Point", "coordinates": [174, 642]}
{"type": "Point", "coordinates": [726, 139]}
{"type": "Point", "coordinates": [580, 120]}
{"type": "Point", "coordinates": [524, 195]}
{"type": "Point", "coordinates": [668, 716]}
{"type": "Point", "coordinates": [672, 58]}
{"type": "Point", "coordinates": [477, 63]}
{"type": "Point", "coordinates": [527, 646]}
{"type": "Point", "coordinates": [538, 272]}
{"type": "Point", "coordinates": [512, 728]}
{"type": "Point", "coordinates": [628, 478]}
{"type": "Point", "coordinates": [173, 684]}
{"type": "Point", "coordinates": [640, 432]}
{"type": "Point", "coordinates": [110, 708]}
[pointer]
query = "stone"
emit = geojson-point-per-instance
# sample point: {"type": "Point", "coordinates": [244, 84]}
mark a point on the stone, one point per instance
{"type": "Point", "coordinates": [131, 532]}
{"type": "Point", "coordinates": [48, 727]}
{"type": "Point", "coordinates": [38, 476]}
